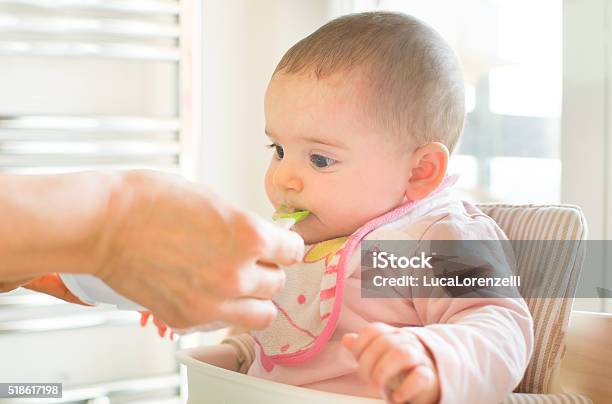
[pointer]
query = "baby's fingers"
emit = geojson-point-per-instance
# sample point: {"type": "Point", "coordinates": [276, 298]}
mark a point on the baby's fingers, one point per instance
{"type": "Point", "coordinates": [375, 352]}
{"type": "Point", "coordinates": [391, 363]}
{"type": "Point", "coordinates": [368, 335]}
{"type": "Point", "coordinates": [417, 387]}
{"type": "Point", "coordinates": [349, 339]}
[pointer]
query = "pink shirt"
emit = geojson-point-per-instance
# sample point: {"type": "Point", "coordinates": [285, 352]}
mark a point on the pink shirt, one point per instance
{"type": "Point", "coordinates": [481, 345]}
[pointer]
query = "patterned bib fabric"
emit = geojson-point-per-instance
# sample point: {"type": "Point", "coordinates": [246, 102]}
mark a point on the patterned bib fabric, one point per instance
{"type": "Point", "coordinates": [305, 306]}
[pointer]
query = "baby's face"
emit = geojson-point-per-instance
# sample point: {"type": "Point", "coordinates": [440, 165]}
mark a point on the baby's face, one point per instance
{"type": "Point", "coordinates": [327, 155]}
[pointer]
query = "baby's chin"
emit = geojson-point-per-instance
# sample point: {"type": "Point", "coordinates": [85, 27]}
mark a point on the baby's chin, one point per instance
{"type": "Point", "coordinates": [314, 239]}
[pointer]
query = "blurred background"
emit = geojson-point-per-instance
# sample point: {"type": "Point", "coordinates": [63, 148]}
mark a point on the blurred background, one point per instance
{"type": "Point", "coordinates": [178, 86]}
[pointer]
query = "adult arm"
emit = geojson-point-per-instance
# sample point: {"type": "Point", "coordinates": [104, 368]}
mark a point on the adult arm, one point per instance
{"type": "Point", "coordinates": [169, 245]}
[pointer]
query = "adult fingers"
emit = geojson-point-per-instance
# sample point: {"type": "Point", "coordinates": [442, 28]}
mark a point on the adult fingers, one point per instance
{"type": "Point", "coordinates": [252, 314]}
{"type": "Point", "coordinates": [261, 281]}
{"type": "Point", "coordinates": [280, 246]}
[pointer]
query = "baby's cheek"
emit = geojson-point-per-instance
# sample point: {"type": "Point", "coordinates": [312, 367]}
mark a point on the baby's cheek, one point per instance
{"type": "Point", "coordinates": [343, 218]}
{"type": "Point", "coordinates": [268, 185]}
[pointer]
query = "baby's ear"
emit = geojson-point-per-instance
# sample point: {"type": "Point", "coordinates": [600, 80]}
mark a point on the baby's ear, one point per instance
{"type": "Point", "coordinates": [428, 166]}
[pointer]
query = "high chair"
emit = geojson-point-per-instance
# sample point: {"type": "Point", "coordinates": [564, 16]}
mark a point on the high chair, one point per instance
{"type": "Point", "coordinates": [572, 359]}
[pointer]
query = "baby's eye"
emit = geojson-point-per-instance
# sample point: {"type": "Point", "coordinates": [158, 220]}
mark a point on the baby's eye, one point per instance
{"type": "Point", "coordinates": [321, 161]}
{"type": "Point", "coordinates": [280, 153]}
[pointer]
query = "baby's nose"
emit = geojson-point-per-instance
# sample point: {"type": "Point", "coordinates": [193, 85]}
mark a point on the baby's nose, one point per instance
{"type": "Point", "coordinates": [287, 176]}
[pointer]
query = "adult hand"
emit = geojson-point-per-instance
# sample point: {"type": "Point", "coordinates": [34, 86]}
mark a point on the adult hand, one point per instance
{"type": "Point", "coordinates": [189, 257]}
{"type": "Point", "coordinates": [161, 241]}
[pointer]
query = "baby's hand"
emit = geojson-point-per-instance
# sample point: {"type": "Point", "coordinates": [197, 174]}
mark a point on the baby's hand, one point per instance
{"type": "Point", "coordinates": [395, 359]}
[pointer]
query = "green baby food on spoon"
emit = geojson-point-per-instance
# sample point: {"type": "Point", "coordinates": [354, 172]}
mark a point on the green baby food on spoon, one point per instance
{"type": "Point", "coordinates": [285, 213]}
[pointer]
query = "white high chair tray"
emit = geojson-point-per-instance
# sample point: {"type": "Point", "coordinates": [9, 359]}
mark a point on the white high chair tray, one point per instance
{"type": "Point", "coordinates": [211, 384]}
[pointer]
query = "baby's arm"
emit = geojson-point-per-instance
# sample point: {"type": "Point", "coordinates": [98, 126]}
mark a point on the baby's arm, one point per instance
{"type": "Point", "coordinates": [477, 352]}
{"type": "Point", "coordinates": [396, 362]}
{"type": "Point", "coordinates": [481, 346]}
{"type": "Point", "coordinates": [243, 346]}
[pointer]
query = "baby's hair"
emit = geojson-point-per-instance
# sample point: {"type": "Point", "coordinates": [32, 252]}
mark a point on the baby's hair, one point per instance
{"type": "Point", "coordinates": [416, 82]}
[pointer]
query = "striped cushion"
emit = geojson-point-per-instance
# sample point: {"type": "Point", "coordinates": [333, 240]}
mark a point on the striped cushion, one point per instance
{"type": "Point", "coordinates": [560, 268]}
{"type": "Point", "coordinates": [547, 399]}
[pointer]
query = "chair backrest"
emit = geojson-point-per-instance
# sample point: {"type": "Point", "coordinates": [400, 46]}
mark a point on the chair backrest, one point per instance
{"type": "Point", "coordinates": [560, 268]}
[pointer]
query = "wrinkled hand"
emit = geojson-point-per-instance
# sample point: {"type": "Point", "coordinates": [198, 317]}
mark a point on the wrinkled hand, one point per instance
{"type": "Point", "coordinates": [396, 361]}
{"type": "Point", "coordinates": [190, 258]}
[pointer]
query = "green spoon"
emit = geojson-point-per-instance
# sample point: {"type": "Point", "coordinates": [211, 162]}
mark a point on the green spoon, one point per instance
{"type": "Point", "coordinates": [284, 213]}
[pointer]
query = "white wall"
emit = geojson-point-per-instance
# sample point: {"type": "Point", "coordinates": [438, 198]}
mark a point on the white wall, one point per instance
{"type": "Point", "coordinates": [586, 135]}
{"type": "Point", "coordinates": [243, 42]}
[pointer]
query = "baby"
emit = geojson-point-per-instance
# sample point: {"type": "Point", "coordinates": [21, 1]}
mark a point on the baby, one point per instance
{"type": "Point", "coordinates": [362, 116]}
